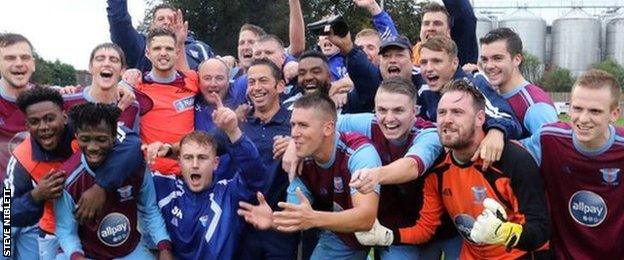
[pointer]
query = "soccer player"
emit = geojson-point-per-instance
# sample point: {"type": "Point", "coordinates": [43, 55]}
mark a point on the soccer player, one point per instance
{"type": "Point", "coordinates": [199, 211]}
{"type": "Point", "coordinates": [320, 197]}
{"type": "Point", "coordinates": [114, 232]}
{"type": "Point", "coordinates": [106, 65]}
{"type": "Point", "coordinates": [455, 20]}
{"type": "Point", "coordinates": [519, 227]}
{"type": "Point", "coordinates": [172, 93]}
{"type": "Point", "coordinates": [581, 164]}
{"type": "Point", "coordinates": [439, 65]}
{"type": "Point", "coordinates": [408, 145]}
{"type": "Point", "coordinates": [501, 57]}
{"type": "Point", "coordinates": [135, 44]}
{"type": "Point", "coordinates": [34, 179]}
{"type": "Point", "coordinates": [17, 65]}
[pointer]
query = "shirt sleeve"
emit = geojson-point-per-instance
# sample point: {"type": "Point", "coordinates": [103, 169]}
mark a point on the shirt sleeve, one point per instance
{"type": "Point", "coordinates": [526, 183]}
{"type": "Point", "coordinates": [125, 35]}
{"type": "Point", "coordinates": [364, 157]}
{"type": "Point", "coordinates": [539, 114]}
{"type": "Point", "coordinates": [534, 145]}
{"type": "Point", "coordinates": [463, 30]}
{"type": "Point", "coordinates": [149, 213]}
{"type": "Point", "coordinates": [123, 160]}
{"type": "Point", "coordinates": [366, 78]}
{"type": "Point", "coordinates": [66, 225]}
{"type": "Point", "coordinates": [253, 174]}
{"type": "Point", "coordinates": [498, 112]}
{"type": "Point", "coordinates": [360, 123]}
{"type": "Point", "coordinates": [292, 195]}
{"type": "Point", "coordinates": [430, 216]}
{"type": "Point", "coordinates": [425, 148]}
{"type": "Point", "coordinates": [25, 211]}
{"type": "Point", "coordinates": [385, 25]}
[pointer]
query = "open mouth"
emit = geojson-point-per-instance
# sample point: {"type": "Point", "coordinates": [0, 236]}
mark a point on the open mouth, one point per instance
{"type": "Point", "coordinates": [195, 177]}
{"type": "Point", "coordinates": [432, 79]}
{"type": "Point", "coordinates": [106, 74]}
{"type": "Point", "coordinates": [394, 70]}
{"type": "Point", "coordinates": [391, 126]}
{"type": "Point", "coordinates": [18, 73]}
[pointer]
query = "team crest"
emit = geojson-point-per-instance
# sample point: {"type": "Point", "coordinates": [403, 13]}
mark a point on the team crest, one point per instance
{"type": "Point", "coordinates": [194, 53]}
{"type": "Point", "coordinates": [610, 176]}
{"type": "Point", "coordinates": [203, 220]}
{"type": "Point", "coordinates": [125, 193]}
{"type": "Point", "coordinates": [338, 185]}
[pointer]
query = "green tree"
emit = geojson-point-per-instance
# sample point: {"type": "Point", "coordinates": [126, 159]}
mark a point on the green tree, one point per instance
{"type": "Point", "coordinates": [53, 73]}
{"type": "Point", "coordinates": [531, 68]}
{"type": "Point", "coordinates": [217, 22]}
{"type": "Point", "coordinates": [557, 80]}
{"type": "Point", "coordinates": [612, 67]}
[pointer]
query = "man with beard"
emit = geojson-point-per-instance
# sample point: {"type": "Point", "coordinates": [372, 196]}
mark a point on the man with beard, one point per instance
{"type": "Point", "coordinates": [134, 43]}
{"type": "Point", "coordinates": [408, 145]}
{"type": "Point", "coordinates": [34, 180]}
{"type": "Point", "coordinates": [171, 91]}
{"type": "Point", "coordinates": [507, 200]}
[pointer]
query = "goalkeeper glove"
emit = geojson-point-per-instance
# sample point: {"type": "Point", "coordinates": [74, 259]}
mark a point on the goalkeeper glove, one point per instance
{"type": "Point", "coordinates": [377, 236]}
{"type": "Point", "coordinates": [492, 227]}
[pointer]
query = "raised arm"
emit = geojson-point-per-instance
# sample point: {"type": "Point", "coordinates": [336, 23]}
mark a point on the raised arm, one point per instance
{"type": "Point", "coordinates": [296, 30]}
{"type": "Point", "coordinates": [124, 34]}
{"type": "Point", "coordinates": [463, 30]}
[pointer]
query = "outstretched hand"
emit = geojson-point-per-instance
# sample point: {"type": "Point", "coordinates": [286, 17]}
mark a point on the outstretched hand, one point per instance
{"type": "Point", "coordinates": [260, 216]}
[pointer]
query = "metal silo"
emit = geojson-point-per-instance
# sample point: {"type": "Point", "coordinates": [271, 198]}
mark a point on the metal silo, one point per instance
{"type": "Point", "coordinates": [576, 41]}
{"type": "Point", "coordinates": [484, 25]}
{"type": "Point", "coordinates": [615, 39]}
{"type": "Point", "coordinates": [531, 29]}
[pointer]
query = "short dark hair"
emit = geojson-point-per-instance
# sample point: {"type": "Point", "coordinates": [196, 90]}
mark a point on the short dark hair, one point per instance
{"type": "Point", "coordinates": [109, 45]}
{"type": "Point", "coordinates": [37, 95]}
{"type": "Point", "coordinates": [434, 7]}
{"type": "Point", "coordinates": [272, 38]}
{"type": "Point", "coordinates": [511, 38]}
{"type": "Point", "coordinates": [200, 137]}
{"type": "Point", "coordinates": [162, 6]}
{"type": "Point", "coordinates": [599, 79]}
{"type": "Point", "coordinates": [156, 32]}
{"type": "Point", "coordinates": [440, 43]}
{"type": "Point", "coordinates": [91, 115]}
{"type": "Point", "coordinates": [275, 70]}
{"type": "Point", "coordinates": [320, 102]}
{"type": "Point", "coordinates": [466, 86]}
{"type": "Point", "coordinates": [8, 39]}
{"type": "Point", "coordinates": [399, 85]}
{"type": "Point", "coordinates": [257, 30]}
{"type": "Point", "coordinates": [314, 54]}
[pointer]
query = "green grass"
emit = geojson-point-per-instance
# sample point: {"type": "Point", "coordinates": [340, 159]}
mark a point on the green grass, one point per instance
{"type": "Point", "coordinates": [566, 118]}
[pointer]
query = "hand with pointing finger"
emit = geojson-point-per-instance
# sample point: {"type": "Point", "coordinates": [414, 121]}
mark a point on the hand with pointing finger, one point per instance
{"type": "Point", "coordinates": [225, 119]}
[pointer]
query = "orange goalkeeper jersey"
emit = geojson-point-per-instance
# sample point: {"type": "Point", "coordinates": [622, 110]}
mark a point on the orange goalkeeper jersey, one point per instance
{"type": "Point", "coordinates": [172, 115]}
{"type": "Point", "coordinates": [459, 189]}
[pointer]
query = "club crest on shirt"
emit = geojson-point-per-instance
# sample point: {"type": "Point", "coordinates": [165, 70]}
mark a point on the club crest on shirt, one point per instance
{"type": "Point", "coordinates": [125, 193]}
{"type": "Point", "coordinates": [194, 53]}
{"type": "Point", "coordinates": [610, 176]}
{"type": "Point", "coordinates": [338, 185]}
{"type": "Point", "coordinates": [203, 220]}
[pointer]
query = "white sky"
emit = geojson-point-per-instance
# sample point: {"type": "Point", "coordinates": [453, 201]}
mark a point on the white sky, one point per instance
{"type": "Point", "coordinates": [68, 29]}
{"type": "Point", "coordinates": [63, 29]}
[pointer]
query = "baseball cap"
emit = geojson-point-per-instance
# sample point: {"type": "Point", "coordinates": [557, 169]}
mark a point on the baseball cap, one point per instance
{"type": "Point", "coordinates": [395, 41]}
